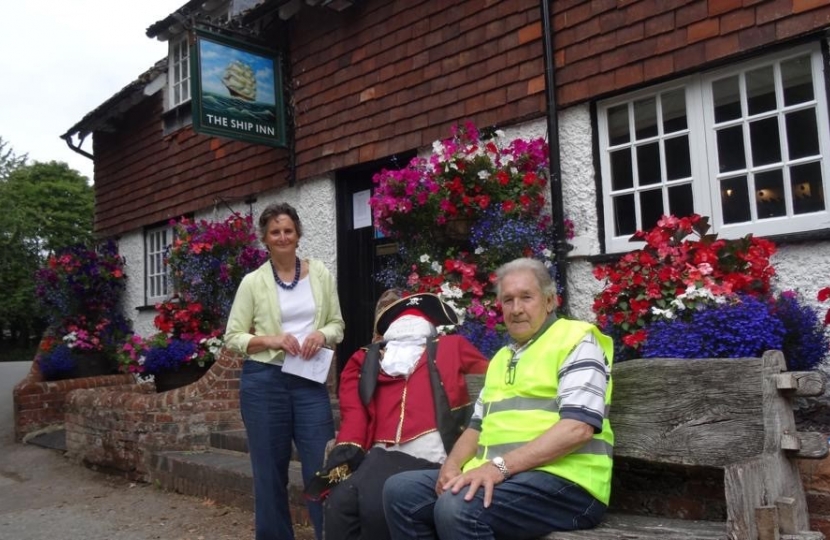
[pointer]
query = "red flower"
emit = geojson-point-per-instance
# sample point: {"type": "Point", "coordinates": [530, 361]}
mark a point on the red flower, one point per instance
{"type": "Point", "coordinates": [678, 253]}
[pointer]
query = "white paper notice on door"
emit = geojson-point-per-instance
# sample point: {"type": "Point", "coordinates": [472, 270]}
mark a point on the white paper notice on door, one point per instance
{"type": "Point", "coordinates": [361, 211]}
{"type": "Point", "coordinates": [315, 368]}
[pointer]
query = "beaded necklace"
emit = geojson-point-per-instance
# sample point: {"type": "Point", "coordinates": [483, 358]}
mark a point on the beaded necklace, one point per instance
{"type": "Point", "coordinates": [281, 283]}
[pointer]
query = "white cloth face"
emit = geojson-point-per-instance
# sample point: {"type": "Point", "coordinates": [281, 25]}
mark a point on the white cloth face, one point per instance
{"type": "Point", "coordinates": [405, 343]}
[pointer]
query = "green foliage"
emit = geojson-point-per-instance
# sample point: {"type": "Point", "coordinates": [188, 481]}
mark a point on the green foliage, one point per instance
{"type": "Point", "coordinates": [43, 207]}
{"type": "Point", "coordinates": [9, 161]}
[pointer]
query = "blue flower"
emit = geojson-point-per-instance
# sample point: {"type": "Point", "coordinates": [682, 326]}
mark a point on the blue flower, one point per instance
{"type": "Point", "coordinates": [486, 340]}
{"type": "Point", "coordinates": [805, 342]}
{"type": "Point", "coordinates": [57, 363]}
{"type": "Point", "coordinates": [168, 357]}
{"type": "Point", "coordinates": [743, 328]}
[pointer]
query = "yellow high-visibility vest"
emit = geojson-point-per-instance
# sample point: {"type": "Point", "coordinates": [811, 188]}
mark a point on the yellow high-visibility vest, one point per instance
{"type": "Point", "coordinates": [519, 412]}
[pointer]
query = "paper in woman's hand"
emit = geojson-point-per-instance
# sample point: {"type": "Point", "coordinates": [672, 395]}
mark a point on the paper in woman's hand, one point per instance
{"type": "Point", "coordinates": [315, 368]}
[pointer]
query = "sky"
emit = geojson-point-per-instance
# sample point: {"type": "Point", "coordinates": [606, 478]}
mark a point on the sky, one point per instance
{"type": "Point", "coordinates": [61, 59]}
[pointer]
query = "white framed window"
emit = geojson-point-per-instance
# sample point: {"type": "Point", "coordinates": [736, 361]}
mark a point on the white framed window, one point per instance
{"type": "Point", "coordinates": [746, 145]}
{"type": "Point", "coordinates": [178, 66]}
{"type": "Point", "coordinates": [157, 280]}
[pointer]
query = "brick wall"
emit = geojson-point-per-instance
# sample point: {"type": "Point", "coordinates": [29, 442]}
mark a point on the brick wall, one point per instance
{"type": "Point", "coordinates": [117, 430]}
{"type": "Point", "coordinates": [387, 77]}
{"type": "Point", "coordinates": [379, 79]}
{"type": "Point", "coordinates": [143, 177]}
{"type": "Point", "coordinates": [816, 477]}
{"type": "Point", "coordinates": [606, 46]}
{"type": "Point", "coordinates": [39, 404]}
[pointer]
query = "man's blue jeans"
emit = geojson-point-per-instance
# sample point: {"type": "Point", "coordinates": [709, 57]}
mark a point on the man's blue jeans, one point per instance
{"type": "Point", "coordinates": [276, 409]}
{"type": "Point", "coordinates": [528, 505]}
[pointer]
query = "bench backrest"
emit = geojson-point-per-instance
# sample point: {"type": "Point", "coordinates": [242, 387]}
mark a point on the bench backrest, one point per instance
{"type": "Point", "coordinates": [733, 414]}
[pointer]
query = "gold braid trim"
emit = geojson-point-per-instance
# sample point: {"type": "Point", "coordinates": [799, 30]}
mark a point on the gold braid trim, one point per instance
{"type": "Point", "coordinates": [338, 474]}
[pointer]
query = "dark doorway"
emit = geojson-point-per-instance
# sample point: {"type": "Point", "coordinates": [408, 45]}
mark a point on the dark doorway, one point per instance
{"type": "Point", "coordinates": [359, 253]}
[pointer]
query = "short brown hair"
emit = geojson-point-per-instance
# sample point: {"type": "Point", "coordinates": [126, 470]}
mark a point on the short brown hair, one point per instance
{"type": "Point", "coordinates": [275, 210]}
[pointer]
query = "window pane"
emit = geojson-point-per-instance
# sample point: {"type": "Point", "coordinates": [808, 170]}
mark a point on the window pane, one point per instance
{"type": "Point", "coordinates": [735, 200]}
{"type": "Point", "coordinates": [727, 99]}
{"type": "Point", "coordinates": [648, 164]}
{"type": "Point", "coordinates": [674, 111]}
{"type": "Point", "coordinates": [618, 132]}
{"type": "Point", "coordinates": [645, 118]}
{"type": "Point", "coordinates": [769, 194]}
{"type": "Point", "coordinates": [760, 90]}
{"type": "Point", "coordinates": [802, 134]}
{"type": "Point", "coordinates": [797, 76]}
{"type": "Point", "coordinates": [625, 223]}
{"type": "Point", "coordinates": [765, 141]}
{"type": "Point", "coordinates": [651, 206]}
{"type": "Point", "coordinates": [678, 159]}
{"type": "Point", "coordinates": [731, 155]}
{"type": "Point", "coordinates": [681, 200]}
{"type": "Point", "coordinates": [808, 190]}
{"type": "Point", "coordinates": [185, 90]}
{"type": "Point", "coordinates": [621, 175]}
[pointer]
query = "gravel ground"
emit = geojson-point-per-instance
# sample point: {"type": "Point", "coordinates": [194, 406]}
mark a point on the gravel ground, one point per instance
{"type": "Point", "coordinates": [45, 496]}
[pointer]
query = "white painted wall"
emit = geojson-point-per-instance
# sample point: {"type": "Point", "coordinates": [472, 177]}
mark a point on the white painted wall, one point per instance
{"type": "Point", "coordinates": [315, 204]}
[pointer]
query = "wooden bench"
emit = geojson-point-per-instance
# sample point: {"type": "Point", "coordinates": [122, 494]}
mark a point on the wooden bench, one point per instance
{"type": "Point", "coordinates": [731, 416]}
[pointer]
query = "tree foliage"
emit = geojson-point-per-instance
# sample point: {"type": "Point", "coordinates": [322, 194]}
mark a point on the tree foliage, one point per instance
{"type": "Point", "coordinates": [43, 207]}
{"type": "Point", "coordinates": [9, 161]}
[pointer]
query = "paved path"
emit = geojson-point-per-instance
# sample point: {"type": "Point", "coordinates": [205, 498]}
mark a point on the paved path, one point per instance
{"type": "Point", "coordinates": [43, 496]}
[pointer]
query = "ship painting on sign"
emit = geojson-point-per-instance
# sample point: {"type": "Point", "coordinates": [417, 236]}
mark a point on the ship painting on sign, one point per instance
{"type": "Point", "coordinates": [240, 80]}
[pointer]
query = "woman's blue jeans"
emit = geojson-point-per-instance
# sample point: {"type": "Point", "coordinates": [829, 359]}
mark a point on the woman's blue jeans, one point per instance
{"type": "Point", "coordinates": [276, 409]}
{"type": "Point", "coordinates": [528, 505]}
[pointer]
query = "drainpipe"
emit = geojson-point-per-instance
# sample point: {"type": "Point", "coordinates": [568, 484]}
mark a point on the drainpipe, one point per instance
{"type": "Point", "coordinates": [68, 140]}
{"type": "Point", "coordinates": [561, 247]}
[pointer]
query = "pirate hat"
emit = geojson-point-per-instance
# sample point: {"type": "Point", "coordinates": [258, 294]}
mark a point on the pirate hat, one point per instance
{"type": "Point", "coordinates": [429, 305]}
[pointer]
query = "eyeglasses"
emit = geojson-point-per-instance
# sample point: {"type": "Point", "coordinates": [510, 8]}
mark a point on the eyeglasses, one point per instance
{"type": "Point", "coordinates": [510, 376]}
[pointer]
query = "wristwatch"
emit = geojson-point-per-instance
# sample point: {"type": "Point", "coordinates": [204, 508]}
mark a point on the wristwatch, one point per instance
{"type": "Point", "coordinates": [499, 463]}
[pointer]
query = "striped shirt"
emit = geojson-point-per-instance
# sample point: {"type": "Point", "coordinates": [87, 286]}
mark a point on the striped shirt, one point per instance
{"type": "Point", "coordinates": [583, 379]}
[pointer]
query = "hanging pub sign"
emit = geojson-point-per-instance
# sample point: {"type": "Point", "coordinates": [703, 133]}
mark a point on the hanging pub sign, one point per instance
{"type": "Point", "coordinates": [237, 90]}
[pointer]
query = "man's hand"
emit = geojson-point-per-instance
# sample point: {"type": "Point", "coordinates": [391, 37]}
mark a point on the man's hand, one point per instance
{"type": "Point", "coordinates": [448, 472]}
{"type": "Point", "coordinates": [485, 476]}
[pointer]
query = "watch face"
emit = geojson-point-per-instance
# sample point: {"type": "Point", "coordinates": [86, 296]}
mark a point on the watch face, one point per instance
{"type": "Point", "coordinates": [498, 461]}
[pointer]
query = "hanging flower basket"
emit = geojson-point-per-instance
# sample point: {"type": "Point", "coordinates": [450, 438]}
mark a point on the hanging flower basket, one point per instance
{"type": "Point", "coordinates": [185, 375]}
{"type": "Point", "coordinates": [476, 202]}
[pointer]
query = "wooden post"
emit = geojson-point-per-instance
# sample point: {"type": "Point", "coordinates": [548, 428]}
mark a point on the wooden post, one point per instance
{"type": "Point", "coordinates": [766, 521]}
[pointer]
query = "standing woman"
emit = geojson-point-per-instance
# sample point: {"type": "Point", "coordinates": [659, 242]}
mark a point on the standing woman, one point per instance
{"type": "Point", "coordinates": [286, 306]}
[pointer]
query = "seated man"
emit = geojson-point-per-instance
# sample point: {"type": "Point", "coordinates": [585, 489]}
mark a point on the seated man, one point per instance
{"type": "Point", "coordinates": [536, 457]}
{"type": "Point", "coordinates": [403, 403]}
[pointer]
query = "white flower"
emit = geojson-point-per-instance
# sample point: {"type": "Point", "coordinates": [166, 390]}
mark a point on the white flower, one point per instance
{"type": "Point", "coordinates": [424, 258]}
{"type": "Point", "coordinates": [70, 339]}
{"type": "Point", "coordinates": [435, 266]}
{"type": "Point", "coordinates": [479, 250]}
{"type": "Point", "coordinates": [547, 253]}
{"type": "Point", "coordinates": [547, 264]}
{"type": "Point", "coordinates": [499, 133]}
{"type": "Point", "coordinates": [484, 175]}
{"type": "Point", "coordinates": [667, 313]}
{"type": "Point", "coordinates": [450, 291]}
{"type": "Point", "coordinates": [678, 303]}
